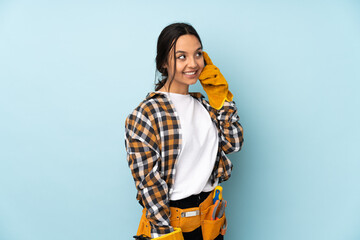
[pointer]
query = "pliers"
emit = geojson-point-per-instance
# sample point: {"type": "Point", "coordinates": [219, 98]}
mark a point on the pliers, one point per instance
{"type": "Point", "coordinates": [218, 212]}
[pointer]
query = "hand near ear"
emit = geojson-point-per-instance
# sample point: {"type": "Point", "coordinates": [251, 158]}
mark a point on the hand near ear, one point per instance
{"type": "Point", "coordinates": [214, 84]}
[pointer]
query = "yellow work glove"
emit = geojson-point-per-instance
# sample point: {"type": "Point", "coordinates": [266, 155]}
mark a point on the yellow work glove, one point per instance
{"type": "Point", "coordinates": [175, 235]}
{"type": "Point", "coordinates": [214, 84]}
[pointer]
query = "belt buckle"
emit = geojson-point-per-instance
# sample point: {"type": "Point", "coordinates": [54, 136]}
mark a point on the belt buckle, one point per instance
{"type": "Point", "coordinates": [190, 213]}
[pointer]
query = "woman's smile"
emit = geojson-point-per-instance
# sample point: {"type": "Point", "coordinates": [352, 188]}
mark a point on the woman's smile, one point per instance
{"type": "Point", "coordinates": [191, 74]}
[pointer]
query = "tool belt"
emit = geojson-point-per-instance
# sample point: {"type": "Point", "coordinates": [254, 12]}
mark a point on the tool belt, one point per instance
{"type": "Point", "coordinates": [190, 219]}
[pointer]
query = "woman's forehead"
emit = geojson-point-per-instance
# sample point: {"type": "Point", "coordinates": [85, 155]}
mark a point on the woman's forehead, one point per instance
{"type": "Point", "coordinates": [187, 43]}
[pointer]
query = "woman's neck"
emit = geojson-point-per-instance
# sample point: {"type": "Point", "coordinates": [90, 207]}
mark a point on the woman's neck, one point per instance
{"type": "Point", "coordinates": [175, 88]}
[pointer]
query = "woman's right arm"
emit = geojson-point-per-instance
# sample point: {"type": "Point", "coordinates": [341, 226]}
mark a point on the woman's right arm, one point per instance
{"type": "Point", "coordinates": [143, 157]}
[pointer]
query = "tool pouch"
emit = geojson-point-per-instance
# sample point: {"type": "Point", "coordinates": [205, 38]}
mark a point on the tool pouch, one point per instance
{"type": "Point", "coordinates": [182, 222]}
{"type": "Point", "coordinates": [210, 228]}
{"type": "Point", "coordinates": [145, 229]}
{"type": "Point", "coordinates": [144, 225]}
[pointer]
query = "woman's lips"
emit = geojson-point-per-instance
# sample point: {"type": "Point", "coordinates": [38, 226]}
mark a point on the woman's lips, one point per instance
{"type": "Point", "coordinates": [191, 74]}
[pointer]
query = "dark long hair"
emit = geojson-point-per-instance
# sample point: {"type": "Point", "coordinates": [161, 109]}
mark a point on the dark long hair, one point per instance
{"type": "Point", "coordinates": [166, 41]}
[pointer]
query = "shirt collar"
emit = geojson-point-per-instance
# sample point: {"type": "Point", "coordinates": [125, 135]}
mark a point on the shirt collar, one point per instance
{"type": "Point", "coordinates": [193, 94]}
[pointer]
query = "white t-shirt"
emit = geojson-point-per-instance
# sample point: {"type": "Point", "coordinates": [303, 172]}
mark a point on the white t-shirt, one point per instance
{"type": "Point", "coordinates": [199, 148]}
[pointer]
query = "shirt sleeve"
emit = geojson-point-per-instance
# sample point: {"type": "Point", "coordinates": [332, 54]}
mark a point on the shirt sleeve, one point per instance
{"type": "Point", "coordinates": [143, 157]}
{"type": "Point", "coordinates": [231, 131]}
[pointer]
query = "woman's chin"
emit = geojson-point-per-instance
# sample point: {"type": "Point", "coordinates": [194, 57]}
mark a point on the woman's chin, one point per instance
{"type": "Point", "coordinates": [192, 82]}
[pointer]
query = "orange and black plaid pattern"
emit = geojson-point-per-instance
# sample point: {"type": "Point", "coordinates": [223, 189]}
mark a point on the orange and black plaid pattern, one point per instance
{"type": "Point", "coordinates": [153, 143]}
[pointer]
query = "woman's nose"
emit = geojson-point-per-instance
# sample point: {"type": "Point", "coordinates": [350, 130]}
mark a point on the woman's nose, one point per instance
{"type": "Point", "coordinates": [192, 63]}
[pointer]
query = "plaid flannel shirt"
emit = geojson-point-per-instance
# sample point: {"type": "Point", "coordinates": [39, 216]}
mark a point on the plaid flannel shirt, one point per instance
{"type": "Point", "coordinates": [153, 143]}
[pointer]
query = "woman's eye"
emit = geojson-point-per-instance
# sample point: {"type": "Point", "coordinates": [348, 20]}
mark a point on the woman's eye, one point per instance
{"type": "Point", "coordinates": [199, 53]}
{"type": "Point", "coordinates": [181, 57]}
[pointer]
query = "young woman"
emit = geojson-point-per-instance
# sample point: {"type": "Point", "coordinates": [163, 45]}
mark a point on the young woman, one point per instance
{"type": "Point", "coordinates": [176, 142]}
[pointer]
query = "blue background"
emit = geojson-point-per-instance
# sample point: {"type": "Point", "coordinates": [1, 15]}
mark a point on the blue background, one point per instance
{"type": "Point", "coordinates": [71, 71]}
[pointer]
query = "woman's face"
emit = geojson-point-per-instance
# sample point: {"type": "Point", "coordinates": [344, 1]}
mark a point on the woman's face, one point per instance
{"type": "Point", "coordinates": [189, 63]}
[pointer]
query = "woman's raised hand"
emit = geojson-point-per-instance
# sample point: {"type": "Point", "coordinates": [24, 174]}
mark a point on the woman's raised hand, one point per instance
{"type": "Point", "coordinates": [214, 84]}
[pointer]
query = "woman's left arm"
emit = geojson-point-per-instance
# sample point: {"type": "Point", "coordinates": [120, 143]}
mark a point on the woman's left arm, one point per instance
{"type": "Point", "coordinates": [221, 106]}
{"type": "Point", "coordinates": [231, 130]}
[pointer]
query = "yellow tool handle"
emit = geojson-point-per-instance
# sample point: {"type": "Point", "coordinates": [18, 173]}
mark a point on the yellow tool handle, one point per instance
{"type": "Point", "coordinates": [217, 194]}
